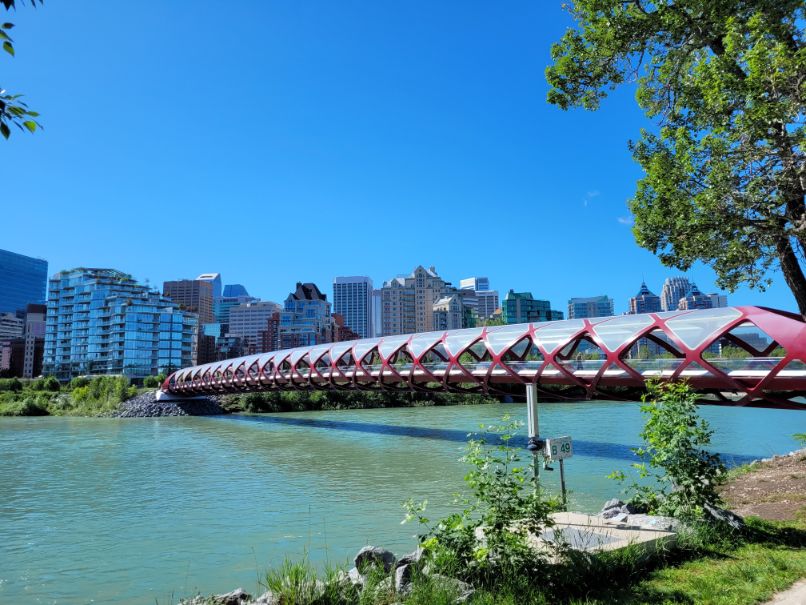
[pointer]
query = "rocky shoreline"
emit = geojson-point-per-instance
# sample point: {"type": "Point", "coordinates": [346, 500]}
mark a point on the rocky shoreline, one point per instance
{"type": "Point", "coordinates": [147, 406]}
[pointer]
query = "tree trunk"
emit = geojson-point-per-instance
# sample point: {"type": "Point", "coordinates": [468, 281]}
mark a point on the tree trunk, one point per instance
{"type": "Point", "coordinates": [793, 273]}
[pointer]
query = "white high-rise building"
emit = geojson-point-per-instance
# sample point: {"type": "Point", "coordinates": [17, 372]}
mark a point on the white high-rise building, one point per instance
{"type": "Point", "coordinates": [352, 299]}
{"type": "Point", "coordinates": [474, 283]}
{"type": "Point", "coordinates": [674, 288]}
{"type": "Point", "coordinates": [486, 301]}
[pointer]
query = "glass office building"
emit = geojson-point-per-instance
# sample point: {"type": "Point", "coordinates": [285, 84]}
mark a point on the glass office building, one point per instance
{"type": "Point", "coordinates": [22, 281]}
{"type": "Point", "coordinates": [101, 321]}
{"type": "Point", "coordinates": [522, 307]}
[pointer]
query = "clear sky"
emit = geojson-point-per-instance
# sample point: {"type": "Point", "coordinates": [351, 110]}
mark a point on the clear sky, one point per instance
{"type": "Point", "coordinates": [277, 141]}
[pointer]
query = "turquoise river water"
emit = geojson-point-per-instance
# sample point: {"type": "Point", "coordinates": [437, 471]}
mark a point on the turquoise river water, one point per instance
{"type": "Point", "coordinates": [149, 510]}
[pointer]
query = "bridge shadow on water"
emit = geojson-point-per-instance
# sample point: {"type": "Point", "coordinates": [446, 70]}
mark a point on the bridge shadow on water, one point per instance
{"type": "Point", "coordinates": [594, 449]}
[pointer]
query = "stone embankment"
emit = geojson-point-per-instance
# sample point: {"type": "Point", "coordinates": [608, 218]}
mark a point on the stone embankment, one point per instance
{"type": "Point", "coordinates": [367, 559]}
{"type": "Point", "coordinates": [147, 406]}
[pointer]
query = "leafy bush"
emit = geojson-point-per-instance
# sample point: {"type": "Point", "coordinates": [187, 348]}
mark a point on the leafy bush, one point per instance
{"type": "Point", "coordinates": [51, 384]}
{"type": "Point", "coordinates": [151, 382]}
{"type": "Point", "coordinates": [78, 382]}
{"type": "Point", "coordinates": [10, 384]}
{"type": "Point", "coordinates": [487, 540]}
{"type": "Point", "coordinates": [685, 476]}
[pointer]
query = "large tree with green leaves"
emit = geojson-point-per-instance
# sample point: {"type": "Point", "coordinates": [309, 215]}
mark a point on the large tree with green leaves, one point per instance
{"type": "Point", "coordinates": [725, 82]}
{"type": "Point", "coordinates": [13, 111]}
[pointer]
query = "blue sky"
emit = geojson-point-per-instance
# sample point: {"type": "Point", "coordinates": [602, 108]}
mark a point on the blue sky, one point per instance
{"type": "Point", "coordinates": [282, 141]}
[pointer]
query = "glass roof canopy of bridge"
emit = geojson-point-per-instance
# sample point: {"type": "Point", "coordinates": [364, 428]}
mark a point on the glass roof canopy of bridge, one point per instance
{"type": "Point", "coordinates": [621, 348]}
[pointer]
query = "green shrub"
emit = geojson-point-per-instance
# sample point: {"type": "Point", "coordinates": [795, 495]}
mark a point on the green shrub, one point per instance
{"type": "Point", "coordinates": [10, 384]}
{"type": "Point", "coordinates": [152, 382]}
{"type": "Point", "coordinates": [51, 384]}
{"type": "Point", "coordinates": [78, 382]}
{"type": "Point", "coordinates": [37, 384]}
{"type": "Point", "coordinates": [487, 540]}
{"type": "Point", "coordinates": [684, 475]}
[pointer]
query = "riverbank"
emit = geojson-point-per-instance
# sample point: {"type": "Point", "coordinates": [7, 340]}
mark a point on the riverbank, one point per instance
{"type": "Point", "coordinates": [764, 560]}
{"type": "Point", "coordinates": [115, 396]}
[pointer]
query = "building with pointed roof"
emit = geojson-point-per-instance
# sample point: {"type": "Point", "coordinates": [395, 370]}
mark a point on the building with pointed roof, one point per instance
{"type": "Point", "coordinates": [645, 301]}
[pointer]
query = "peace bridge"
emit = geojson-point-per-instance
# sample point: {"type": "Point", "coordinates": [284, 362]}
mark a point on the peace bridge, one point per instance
{"type": "Point", "coordinates": [598, 355]}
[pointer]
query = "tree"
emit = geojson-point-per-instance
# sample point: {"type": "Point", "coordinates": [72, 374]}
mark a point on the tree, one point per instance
{"type": "Point", "coordinates": [724, 177]}
{"type": "Point", "coordinates": [12, 109]}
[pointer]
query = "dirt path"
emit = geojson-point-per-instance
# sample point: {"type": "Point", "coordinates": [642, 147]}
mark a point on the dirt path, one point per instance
{"type": "Point", "coordinates": [772, 489]}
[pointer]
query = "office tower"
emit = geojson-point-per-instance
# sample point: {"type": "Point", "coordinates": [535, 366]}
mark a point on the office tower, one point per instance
{"type": "Point", "coordinates": [408, 301]}
{"type": "Point", "coordinates": [352, 299]}
{"type": "Point", "coordinates": [593, 306]}
{"type": "Point", "coordinates": [305, 319]}
{"type": "Point", "coordinates": [645, 301]}
{"type": "Point", "coordinates": [694, 299]}
{"type": "Point", "coordinates": [485, 301]}
{"type": "Point", "coordinates": [522, 307]}
{"type": "Point", "coordinates": [23, 280]}
{"type": "Point", "coordinates": [674, 288]}
{"type": "Point", "coordinates": [195, 295]}
{"type": "Point", "coordinates": [248, 321]}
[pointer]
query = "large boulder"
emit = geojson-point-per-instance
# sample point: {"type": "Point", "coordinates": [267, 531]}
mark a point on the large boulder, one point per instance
{"type": "Point", "coordinates": [413, 558]}
{"type": "Point", "coordinates": [403, 579]}
{"type": "Point", "coordinates": [721, 515]}
{"type": "Point", "coordinates": [372, 556]}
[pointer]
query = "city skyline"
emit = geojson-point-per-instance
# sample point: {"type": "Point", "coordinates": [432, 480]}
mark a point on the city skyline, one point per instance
{"type": "Point", "coordinates": [501, 184]}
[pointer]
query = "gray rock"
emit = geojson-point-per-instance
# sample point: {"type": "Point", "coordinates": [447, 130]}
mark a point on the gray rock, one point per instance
{"type": "Point", "coordinates": [620, 518]}
{"type": "Point", "coordinates": [610, 513]}
{"type": "Point", "coordinates": [403, 579]}
{"type": "Point", "coordinates": [375, 555]}
{"type": "Point", "coordinates": [464, 590]}
{"type": "Point", "coordinates": [236, 597]}
{"type": "Point", "coordinates": [720, 515]}
{"type": "Point", "coordinates": [413, 558]}
{"type": "Point", "coordinates": [614, 503]}
{"type": "Point", "coordinates": [267, 598]}
{"type": "Point", "coordinates": [356, 577]}
{"type": "Point", "coordinates": [147, 406]}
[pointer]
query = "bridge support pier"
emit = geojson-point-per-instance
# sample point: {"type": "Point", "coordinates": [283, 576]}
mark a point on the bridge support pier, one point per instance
{"type": "Point", "coordinates": [533, 426]}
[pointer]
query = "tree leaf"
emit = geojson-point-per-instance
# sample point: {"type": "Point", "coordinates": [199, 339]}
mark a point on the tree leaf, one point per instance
{"type": "Point", "coordinates": [4, 130]}
{"type": "Point", "coordinates": [30, 125]}
{"type": "Point", "coordinates": [8, 48]}
{"type": "Point", "coordinates": [7, 25]}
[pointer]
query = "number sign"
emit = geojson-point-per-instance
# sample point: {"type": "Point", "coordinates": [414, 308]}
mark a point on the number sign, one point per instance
{"type": "Point", "coordinates": [559, 448]}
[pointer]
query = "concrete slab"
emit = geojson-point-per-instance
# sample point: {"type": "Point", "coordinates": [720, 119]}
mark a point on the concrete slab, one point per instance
{"type": "Point", "coordinates": [590, 533]}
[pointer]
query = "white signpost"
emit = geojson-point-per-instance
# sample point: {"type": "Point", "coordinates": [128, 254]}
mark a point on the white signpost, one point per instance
{"type": "Point", "coordinates": [559, 448]}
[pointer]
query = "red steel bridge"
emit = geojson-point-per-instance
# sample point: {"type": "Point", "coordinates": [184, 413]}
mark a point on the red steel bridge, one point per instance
{"type": "Point", "coordinates": [749, 356]}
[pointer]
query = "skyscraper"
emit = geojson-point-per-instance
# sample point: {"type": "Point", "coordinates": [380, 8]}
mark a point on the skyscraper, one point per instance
{"type": "Point", "coordinates": [249, 320]}
{"type": "Point", "coordinates": [485, 301]}
{"type": "Point", "coordinates": [101, 321]}
{"type": "Point", "coordinates": [522, 307]}
{"type": "Point", "coordinates": [305, 319]}
{"type": "Point", "coordinates": [474, 283]}
{"type": "Point", "coordinates": [195, 295]}
{"type": "Point", "coordinates": [23, 280]}
{"type": "Point", "coordinates": [408, 302]}
{"type": "Point", "coordinates": [674, 288]}
{"type": "Point", "coordinates": [694, 299]}
{"type": "Point", "coordinates": [352, 299]}
{"type": "Point", "coordinates": [645, 301]}
{"type": "Point", "coordinates": [592, 306]}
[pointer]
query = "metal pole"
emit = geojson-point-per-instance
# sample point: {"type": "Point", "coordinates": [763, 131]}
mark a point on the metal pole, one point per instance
{"type": "Point", "coordinates": [533, 427]}
{"type": "Point", "coordinates": [562, 479]}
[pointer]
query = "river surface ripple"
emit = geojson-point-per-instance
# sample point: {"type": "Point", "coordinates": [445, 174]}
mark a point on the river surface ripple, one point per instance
{"type": "Point", "coordinates": [148, 510]}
